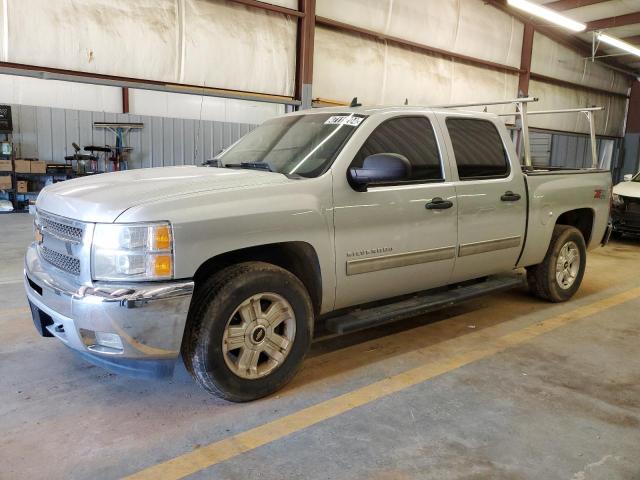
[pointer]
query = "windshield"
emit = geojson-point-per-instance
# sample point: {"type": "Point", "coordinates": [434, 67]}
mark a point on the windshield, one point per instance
{"type": "Point", "coordinates": [303, 145]}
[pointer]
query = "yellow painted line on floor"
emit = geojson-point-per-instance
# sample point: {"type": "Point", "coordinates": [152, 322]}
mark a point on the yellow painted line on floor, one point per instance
{"type": "Point", "coordinates": [230, 447]}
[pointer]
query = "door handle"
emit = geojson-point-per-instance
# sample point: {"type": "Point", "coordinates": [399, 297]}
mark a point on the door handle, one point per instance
{"type": "Point", "coordinates": [438, 203]}
{"type": "Point", "coordinates": [509, 196]}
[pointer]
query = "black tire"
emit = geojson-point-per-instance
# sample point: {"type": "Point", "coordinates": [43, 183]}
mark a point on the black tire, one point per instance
{"type": "Point", "coordinates": [215, 301]}
{"type": "Point", "coordinates": [542, 279]}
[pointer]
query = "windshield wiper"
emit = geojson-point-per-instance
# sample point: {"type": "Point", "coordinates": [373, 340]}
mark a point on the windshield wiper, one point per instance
{"type": "Point", "coordinates": [251, 165]}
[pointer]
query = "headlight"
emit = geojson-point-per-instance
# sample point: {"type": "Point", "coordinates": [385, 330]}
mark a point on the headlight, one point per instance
{"type": "Point", "coordinates": [132, 251]}
{"type": "Point", "coordinates": [617, 200]}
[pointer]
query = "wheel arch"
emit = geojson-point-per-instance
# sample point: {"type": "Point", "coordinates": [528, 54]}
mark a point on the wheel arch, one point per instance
{"type": "Point", "coordinates": [580, 218]}
{"type": "Point", "coordinates": [299, 258]}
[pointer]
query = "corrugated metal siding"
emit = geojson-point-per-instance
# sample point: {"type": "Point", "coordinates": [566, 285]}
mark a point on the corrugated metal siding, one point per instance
{"type": "Point", "coordinates": [47, 133]}
{"type": "Point", "coordinates": [630, 163]}
{"type": "Point", "coordinates": [571, 151]}
{"type": "Point", "coordinates": [540, 148]}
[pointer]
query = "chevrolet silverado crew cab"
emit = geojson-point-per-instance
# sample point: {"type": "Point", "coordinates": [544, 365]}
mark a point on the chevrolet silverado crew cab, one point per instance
{"type": "Point", "coordinates": [337, 218]}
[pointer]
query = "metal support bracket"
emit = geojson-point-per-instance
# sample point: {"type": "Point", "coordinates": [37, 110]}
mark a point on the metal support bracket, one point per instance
{"type": "Point", "coordinates": [592, 136]}
{"type": "Point", "coordinates": [521, 115]}
{"type": "Point", "coordinates": [588, 111]}
{"type": "Point", "coordinates": [524, 124]}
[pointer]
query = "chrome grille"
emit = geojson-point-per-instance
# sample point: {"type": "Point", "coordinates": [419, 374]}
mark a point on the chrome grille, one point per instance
{"type": "Point", "coordinates": [64, 262]}
{"type": "Point", "coordinates": [61, 230]}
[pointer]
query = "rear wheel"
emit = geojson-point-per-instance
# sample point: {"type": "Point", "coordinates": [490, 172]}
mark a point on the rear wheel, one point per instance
{"type": "Point", "coordinates": [249, 329]}
{"type": "Point", "coordinates": [560, 274]}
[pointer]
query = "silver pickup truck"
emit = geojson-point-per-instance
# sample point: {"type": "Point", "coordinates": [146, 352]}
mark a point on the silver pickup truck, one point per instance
{"type": "Point", "coordinates": [337, 218]}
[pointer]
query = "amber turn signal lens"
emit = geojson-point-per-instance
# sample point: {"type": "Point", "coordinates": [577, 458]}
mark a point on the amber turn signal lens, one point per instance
{"type": "Point", "coordinates": [161, 265]}
{"type": "Point", "coordinates": [162, 237]}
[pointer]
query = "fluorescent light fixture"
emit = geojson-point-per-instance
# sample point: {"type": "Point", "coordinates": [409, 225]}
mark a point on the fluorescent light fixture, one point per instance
{"type": "Point", "coordinates": [616, 42]}
{"type": "Point", "coordinates": [547, 14]}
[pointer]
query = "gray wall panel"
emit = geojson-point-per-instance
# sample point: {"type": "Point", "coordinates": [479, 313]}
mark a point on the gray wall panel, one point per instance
{"type": "Point", "coordinates": [178, 141]}
{"type": "Point", "coordinates": [28, 132]}
{"type": "Point", "coordinates": [167, 142]}
{"type": "Point", "coordinates": [189, 141]}
{"type": "Point", "coordinates": [44, 132]}
{"type": "Point", "coordinates": [47, 133]}
{"type": "Point", "coordinates": [157, 145]}
{"type": "Point", "coordinates": [568, 150]}
{"type": "Point", "coordinates": [540, 148]}
{"type": "Point", "coordinates": [631, 160]}
{"type": "Point", "coordinates": [217, 138]}
{"type": "Point", "coordinates": [58, 133]}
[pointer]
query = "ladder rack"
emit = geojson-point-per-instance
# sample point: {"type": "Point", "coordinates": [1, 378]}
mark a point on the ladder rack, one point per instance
{"type": "Point", "coordinates": [522, 113]}
{"type": "Point", "coordinates": [588, 112]}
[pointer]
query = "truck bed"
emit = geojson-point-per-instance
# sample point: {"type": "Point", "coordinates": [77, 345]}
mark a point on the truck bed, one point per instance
{"type": "Point", "coordinates": [552, 191]}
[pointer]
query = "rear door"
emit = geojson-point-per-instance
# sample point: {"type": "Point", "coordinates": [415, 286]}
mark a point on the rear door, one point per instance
{"type": "Point", "coordinates": [491, 196]}
{"type": "Point", "coordinates": [387, 241]}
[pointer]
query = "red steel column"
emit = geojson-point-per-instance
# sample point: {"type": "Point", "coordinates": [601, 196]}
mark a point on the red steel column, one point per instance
{"type": "Point", "coordinates": [304, 52]}
{"type": "Point", "coordinates": [633, 113]}
{"type": "Point", "coordinates": [525, 60]}
{"type": "Point", "coordinates": [125, 100]}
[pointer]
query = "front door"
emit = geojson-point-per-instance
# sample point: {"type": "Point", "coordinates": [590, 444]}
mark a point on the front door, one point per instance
{"type": "Point", "coordinates": [491, 198]}
{"type": "Point", "coordinates": [387, 241]}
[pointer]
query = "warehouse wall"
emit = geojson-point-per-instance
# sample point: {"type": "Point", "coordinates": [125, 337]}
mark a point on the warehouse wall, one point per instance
{"type": "Point", "coordinates": [199, 42]}
{"type": "Point", "coordinates": [551, 59]}
{"type": "Point", "coordinates": [78, 96]}
{"type": "Point", "coordinates": [377, 72]}
{"type": "Point", "coordinates": [226, 45]}
{"type": "Point", "coordinates": [47, 133]}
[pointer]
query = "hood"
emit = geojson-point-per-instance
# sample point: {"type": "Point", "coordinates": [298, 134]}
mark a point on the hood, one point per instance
{"type": "Point", "coordinates": [102, 198]}
{"type": "Point", "coordinates": [627, 189]}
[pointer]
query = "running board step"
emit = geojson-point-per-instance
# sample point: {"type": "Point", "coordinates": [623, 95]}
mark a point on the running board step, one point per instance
{"type": "Point", "coordinates": [420, 304]}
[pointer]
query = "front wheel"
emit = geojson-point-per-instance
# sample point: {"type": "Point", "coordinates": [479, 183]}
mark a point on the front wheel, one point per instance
{"type": "Point", "coordinates": [560, 274]}
{"type": "Point", "coordinates": [249, 329]}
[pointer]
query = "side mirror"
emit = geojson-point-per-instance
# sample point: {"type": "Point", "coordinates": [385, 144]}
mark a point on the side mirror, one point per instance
{"type": "Point", "coordinates": [628, 177]}
{"type": "Point", "coordinates": [379, 168]}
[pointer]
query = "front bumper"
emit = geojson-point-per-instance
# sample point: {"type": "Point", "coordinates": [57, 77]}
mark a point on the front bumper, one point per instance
{"type": "Point", "coordinates": [149, 318]}
{"type": "Point", "coordinates": [625, 221]}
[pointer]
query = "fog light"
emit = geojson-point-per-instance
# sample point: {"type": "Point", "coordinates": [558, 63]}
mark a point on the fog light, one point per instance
{"type": "Point", "coordinates": [110, 340]}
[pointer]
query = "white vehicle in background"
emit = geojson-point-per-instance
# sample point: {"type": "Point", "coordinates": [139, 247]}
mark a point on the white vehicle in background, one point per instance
{"type": "Point", "coordinates": [625, 214]}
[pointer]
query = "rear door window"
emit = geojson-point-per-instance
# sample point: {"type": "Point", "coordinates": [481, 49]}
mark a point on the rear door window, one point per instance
{"type": "Point", "coordinates": [478, 149]}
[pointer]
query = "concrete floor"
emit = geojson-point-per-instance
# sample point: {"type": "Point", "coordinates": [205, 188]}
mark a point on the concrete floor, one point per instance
{"type": "Point", "coordinates": [563, 404]}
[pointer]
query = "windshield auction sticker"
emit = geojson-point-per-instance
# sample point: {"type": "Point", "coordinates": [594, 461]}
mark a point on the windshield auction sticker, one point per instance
{"type": "Point", "coordinates": [344, 120]}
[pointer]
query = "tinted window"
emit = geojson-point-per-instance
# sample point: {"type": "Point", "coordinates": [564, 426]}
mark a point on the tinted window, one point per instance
{"type": "Point", "coordinates": [412, 137]}
{"type": "Point", "coordinates": [478, 148]}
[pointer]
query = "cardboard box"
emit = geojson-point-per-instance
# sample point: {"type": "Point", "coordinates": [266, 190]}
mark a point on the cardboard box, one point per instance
{"type": "Point", "coordinates": [23, 166]}
{"type": "Point", "coordinates": [38, 166]}
{"type": "Point", "coordinates": [5, 182]}
{"type": "Point", "coordinates": [22, 186]}
{"type": "Point", "coordinates": [5, 166]}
